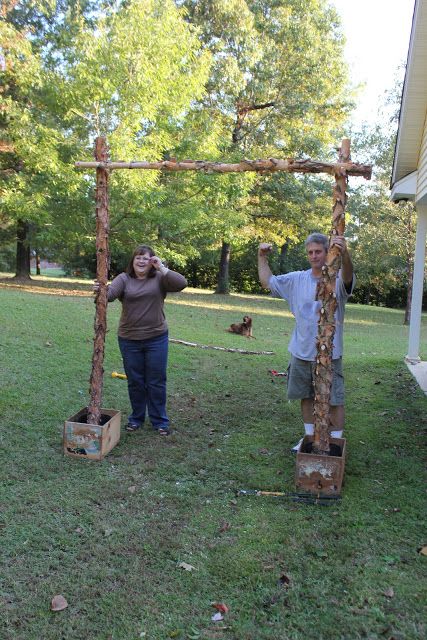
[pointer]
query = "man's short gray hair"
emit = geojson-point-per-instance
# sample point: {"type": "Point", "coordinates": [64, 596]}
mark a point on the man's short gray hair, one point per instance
{"type": "Point", "coordinates": [318, 238]}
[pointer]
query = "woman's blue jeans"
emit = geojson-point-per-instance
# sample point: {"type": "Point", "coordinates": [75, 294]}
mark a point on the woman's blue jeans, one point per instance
{"type": "Point", "coordinates": [145, 363]}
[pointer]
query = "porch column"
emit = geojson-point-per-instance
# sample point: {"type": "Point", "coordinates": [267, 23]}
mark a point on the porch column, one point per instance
{"type": "Point", "coordinates": [418, 285]}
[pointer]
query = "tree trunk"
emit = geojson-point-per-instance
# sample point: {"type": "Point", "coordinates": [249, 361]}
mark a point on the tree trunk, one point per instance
{"type": "Point", "coordinates": [23, 266]}
{"type": "Point", "coordinates": [37, 258]}
{"type": "Point", "coordinates": [102, 261]}
{"type": "Point", "coordinates": [223, 278]}
{"type": "Point", "coordinates": [410, 270]}
{"type": "Point", "coordinates": [326, 330]}
{"type": "Point", "coordinates": [283, 252]}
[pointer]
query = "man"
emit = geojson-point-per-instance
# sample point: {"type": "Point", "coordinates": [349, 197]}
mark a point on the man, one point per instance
{"type": "Point", "coordinates": [299, 289]}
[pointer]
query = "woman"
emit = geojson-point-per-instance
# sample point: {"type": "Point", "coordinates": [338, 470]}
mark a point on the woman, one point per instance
{"type": "Point", "coordinates": [143, 334]}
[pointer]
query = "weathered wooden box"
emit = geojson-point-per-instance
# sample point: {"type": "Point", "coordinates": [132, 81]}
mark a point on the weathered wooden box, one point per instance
{"type": "Point", "coordinates": [91, 441]}
{"type": "Point", "coordinates": [320, 474]}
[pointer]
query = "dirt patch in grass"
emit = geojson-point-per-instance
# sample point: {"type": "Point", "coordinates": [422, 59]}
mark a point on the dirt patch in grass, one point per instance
{"type": "Point", "coordinates": [46, 288]}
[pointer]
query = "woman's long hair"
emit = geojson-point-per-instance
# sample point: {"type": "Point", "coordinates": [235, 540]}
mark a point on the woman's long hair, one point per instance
{"type": "Point", "coordinates": [142, 248]}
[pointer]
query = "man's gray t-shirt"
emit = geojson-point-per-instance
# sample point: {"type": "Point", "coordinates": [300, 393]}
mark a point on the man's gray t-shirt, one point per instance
{"type": "Point", "coordinates": [299, 289]}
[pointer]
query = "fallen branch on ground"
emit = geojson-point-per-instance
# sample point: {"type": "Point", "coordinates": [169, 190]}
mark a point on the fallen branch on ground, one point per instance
{"type": "Point", "coordinates": [208, 346]}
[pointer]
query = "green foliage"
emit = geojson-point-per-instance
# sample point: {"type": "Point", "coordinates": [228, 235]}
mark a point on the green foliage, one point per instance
{"type": "Point", "coordinates": [276, 88]}
{"type": "Point", "coordinates": [211, 79]}
{"type": "Point", "coordinates": [383, 245]}
{"type": "Point", "coordinates": [130, 73]}
{"type": "Point", "coordinates": [382, 233]}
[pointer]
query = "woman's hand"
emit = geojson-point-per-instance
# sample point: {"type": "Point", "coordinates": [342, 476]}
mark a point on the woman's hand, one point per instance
{"type": "Point", "coordinates": [156, 262]}
{"type": "Point", "coordinates": [96, 287]}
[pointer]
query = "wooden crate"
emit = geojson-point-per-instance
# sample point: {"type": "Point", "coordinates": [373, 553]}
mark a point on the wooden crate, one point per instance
{"type": "Point", "coordinates": [320, 474]}
{"type": "Point", "coordinates": [91, 441]}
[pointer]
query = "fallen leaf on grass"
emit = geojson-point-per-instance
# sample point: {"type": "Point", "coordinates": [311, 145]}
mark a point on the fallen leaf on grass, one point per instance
{"type": "Point", "coordinates": [186, 566]}
{"type": "Point", "coordinates": [225, 526]}
{"type": "Point", "coordinates": [58, 603]}
{"type": "Point", "coordinates": [108, 532]}
{"type": "Point", "coordinates": [132, 489]}
{"type": "Point", "coordinates": [217, 617]}
{"type": "Point", "coordinates": [423, 551]}
{"type": "Point", "coordinates": [389, 593]}
{"type": "Point", "coordinates": [284, 580]}
{"type": "Point", "coordinates": [220, 606]}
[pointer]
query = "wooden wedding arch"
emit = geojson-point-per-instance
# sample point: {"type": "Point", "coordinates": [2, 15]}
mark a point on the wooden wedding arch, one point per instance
{"type": "Point", "coordinates": [340, 170]}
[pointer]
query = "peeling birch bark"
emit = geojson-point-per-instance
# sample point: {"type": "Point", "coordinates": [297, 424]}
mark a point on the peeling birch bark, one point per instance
{"type": "Point", "coordinates": [271, 165]}
{"type": "Point", "coordinates": [327, 296]}
{"type": "Point", "coordinates": [102, 260]}
{"type": "Point", "coordinates": [230, 349]}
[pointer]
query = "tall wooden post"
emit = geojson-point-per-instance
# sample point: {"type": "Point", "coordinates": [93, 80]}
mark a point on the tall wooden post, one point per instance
{"type": "Point", "coordinates": [327, 296]}
{"type": "Point", "coordinates": [102, 262]}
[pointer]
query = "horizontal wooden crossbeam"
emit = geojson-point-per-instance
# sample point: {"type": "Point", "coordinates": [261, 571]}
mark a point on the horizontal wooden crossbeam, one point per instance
{"type": "Point", "coordinates": [271, 165]}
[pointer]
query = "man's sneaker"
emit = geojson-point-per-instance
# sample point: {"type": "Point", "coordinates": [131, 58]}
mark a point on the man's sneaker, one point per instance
{"type": "Point", "coordinates": [296, 448]}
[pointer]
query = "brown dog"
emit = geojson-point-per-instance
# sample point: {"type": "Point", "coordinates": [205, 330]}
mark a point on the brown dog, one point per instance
{"type": "Point", "coordinates": [243, 328]}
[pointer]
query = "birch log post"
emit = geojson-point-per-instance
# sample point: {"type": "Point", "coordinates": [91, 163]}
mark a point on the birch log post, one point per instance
{"type": "Point", "coordinates": [102, 260]}
{"type": "Point", "coordinates": [271, 165]}
{"type": "Point", "coordinates": [326, 295]}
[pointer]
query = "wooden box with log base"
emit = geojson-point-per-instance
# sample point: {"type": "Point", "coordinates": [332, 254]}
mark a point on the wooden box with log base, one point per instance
{"type": "Point", "coordinates": [320, 473]}
{"type": "Point", "coordinates": [91, 441]}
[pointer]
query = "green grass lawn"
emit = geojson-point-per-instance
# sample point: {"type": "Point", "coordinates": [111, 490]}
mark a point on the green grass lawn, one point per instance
{"type": "Point", "coordinates": [110, 536]}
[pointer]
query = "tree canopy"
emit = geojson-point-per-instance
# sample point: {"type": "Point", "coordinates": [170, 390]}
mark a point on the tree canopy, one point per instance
{"type": "Point", "coordinates": [200, 79]}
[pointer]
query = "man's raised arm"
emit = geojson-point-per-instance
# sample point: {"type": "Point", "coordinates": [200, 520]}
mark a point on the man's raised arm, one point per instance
{"type": "Point", "coordinates": [264, 271]}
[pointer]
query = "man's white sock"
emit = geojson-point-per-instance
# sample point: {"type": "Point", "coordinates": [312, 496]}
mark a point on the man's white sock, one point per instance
{"type": "Point", "coordinates": [309, 431]}
{"type": "Point", "coordinates": [336, 434]}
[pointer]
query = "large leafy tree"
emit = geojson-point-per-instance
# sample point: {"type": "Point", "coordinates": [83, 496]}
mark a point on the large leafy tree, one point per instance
{"type": "Point", "coordinates": [277, 87]}
{"type": "Point", "coordinates": [19, 74]}
{"type": "Point", "coordinates": [129, 72]}
{"type": "Point", "coordinates": [133, 82]}
{"type": "Point", "coordinates": [33, 34]}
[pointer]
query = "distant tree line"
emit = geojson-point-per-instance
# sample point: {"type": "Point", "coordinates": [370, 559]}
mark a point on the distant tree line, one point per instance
{"type": "Point", "coordinates": [200, 79]}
